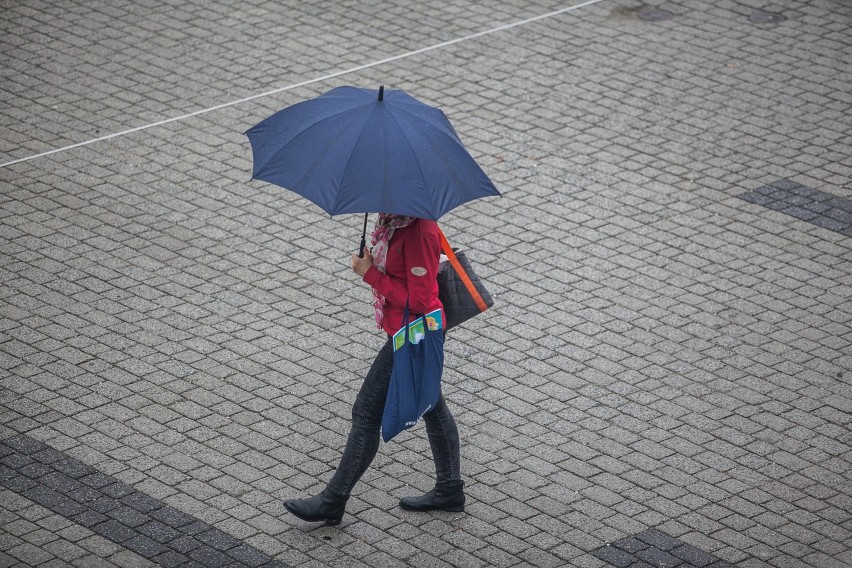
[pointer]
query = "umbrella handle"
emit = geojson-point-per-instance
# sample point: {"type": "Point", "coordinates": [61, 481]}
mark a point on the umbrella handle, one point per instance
{"type": "Point", "coordinates": [363, 238]}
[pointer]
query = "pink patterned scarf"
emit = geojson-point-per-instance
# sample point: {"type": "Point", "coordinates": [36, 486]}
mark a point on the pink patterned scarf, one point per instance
{"type": "Point", "coordinates": [386, 224]}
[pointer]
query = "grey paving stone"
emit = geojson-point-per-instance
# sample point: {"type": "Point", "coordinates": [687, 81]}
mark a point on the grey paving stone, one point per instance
{"type": "Point", "coordinates": [141, 502]}
{"type": "Point", "coordinates": [614, 556]}
{"type": "Point", "coordinates": [653, 547]}
{"type": "Point", "coordinates": [185, 544]}
{"type": "Point", "coordinates": [206, 556]}
{"type": "Point", "coordinates": [643, 302]}
{"type": "Point", "coordinates": [659, 558]}
{"type": "Point", "coordinates": [804, 203]}
{"type": "Point", "coordinates": [144, 546]}
{"type": "Point", "coordinates": [128, 516]}
{"type": "Point", "coordinates": [172, 517]}
{"type": "Point", "coordinates": [114, 531]}
{"type": "Point", "coordinates": [159, 532]}
{"type": "Point", "coordinates": [18, 483]}
{"type": "Point", "coordinates": [658, 539]}
{"type": "Point", "coordinates": [694, 556]}
{"type": "Point", "coordinates": [127, 520]}
{"type": "Point", "coordinates": [248, 556]}
{"type": "Point", "coordinates": [217, 539]}
{"type": "Point", "coordinates": [171, 559]}
{"type": "Point", "coordinates": [89, 518]}
{"type": "Point", "coordinates": [24, 445]}
{"type": "Point", "coordinates": [630, 545]}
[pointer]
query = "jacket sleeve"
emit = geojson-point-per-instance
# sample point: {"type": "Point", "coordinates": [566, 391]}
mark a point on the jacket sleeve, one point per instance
{"type": "Point", "coordinates": [422, 251]}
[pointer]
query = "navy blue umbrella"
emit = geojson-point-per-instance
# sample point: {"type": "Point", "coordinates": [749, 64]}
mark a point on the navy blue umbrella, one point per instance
{"type": "Point", "coordinates": [350, 151]}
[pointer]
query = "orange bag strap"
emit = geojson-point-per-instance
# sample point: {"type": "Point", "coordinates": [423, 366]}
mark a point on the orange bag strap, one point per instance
{"type": "Point", "coordinates": [451, 256]}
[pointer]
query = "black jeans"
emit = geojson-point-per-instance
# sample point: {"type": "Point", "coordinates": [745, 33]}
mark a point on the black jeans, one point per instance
{"type": "Point", "coordinates": [363, 442]}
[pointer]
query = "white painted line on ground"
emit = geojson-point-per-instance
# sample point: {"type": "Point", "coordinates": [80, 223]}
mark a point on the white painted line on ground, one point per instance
{"type": "Point", "coordinates": [308, 82]}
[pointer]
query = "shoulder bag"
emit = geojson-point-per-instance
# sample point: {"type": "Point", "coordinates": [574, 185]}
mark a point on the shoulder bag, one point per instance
{"type": "Point", "coordinates": [459, 288]}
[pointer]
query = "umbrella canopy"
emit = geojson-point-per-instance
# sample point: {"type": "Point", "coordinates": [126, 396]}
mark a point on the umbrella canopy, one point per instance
{"type": "Point", "coordinates": [351, 151]}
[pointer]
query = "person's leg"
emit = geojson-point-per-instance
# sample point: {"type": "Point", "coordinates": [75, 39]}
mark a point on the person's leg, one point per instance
{"type": "Point", "coordinates": [361, 446]}
{"type": "Point", "coordinates": [448, 493]}
{"type": "Point", "coordinates": [444, 441]}
{"type": "Point", "coordinates": [363, 442]}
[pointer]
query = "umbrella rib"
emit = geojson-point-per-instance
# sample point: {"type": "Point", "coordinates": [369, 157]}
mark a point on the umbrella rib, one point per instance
{"type": "Point", "coordinates": [453, 137]}
{"type": "Point", "coordinates": [402, 131]}
{"type": "Point", "coordinates": [319, 155]}
{"type": "Point", "coordinates": [349, 160]}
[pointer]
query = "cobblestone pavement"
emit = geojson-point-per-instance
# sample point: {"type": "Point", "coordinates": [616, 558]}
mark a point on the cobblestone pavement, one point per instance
{"type": "Point", "coordinates": [663, 381]}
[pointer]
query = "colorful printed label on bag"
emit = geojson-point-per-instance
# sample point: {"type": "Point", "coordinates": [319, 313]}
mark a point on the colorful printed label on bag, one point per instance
{"type": "Point", "coordinates": [416, 330]}
{"type": "Point", "coordinates": [434, 321]}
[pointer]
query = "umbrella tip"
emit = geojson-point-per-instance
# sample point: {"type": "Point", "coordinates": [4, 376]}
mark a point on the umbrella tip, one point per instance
{"type": "Point", "coordinates": [381, 92]}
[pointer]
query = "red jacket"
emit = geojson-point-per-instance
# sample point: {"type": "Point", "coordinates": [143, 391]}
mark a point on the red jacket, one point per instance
{"type": "Point", "coordinates": [411, 271]}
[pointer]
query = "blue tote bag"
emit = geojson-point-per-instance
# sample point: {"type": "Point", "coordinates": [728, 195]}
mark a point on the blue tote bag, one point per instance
{"type": "Point", "coordinates": [415, 382]}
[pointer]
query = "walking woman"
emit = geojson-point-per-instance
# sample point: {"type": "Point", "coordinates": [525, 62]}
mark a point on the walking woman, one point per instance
{"type": "Point", "coordinates": [403, 266]}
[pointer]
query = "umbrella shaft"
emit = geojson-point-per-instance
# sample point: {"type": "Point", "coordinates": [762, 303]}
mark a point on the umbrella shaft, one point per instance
{"type": "Point", "coordinates": [363, 237]}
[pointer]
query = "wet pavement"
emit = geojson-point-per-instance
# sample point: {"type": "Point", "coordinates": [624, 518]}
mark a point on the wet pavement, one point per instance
{"type": "Point", "coordinates": [665, 379]}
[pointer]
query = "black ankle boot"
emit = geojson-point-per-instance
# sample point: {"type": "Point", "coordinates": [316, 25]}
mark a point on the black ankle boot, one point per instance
{"type": "Point", "coordinates": [326, 507]}
{"type": "Point", "coordinates": [441, 498]}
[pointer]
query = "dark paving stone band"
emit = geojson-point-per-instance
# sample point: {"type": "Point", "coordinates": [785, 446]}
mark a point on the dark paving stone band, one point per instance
{"type": "Point", "coordinates": [118, 512]}
{"type": "Point", "coordinates": [817, 207]}
{"type": "Point", "coordinates": [653, 548]}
